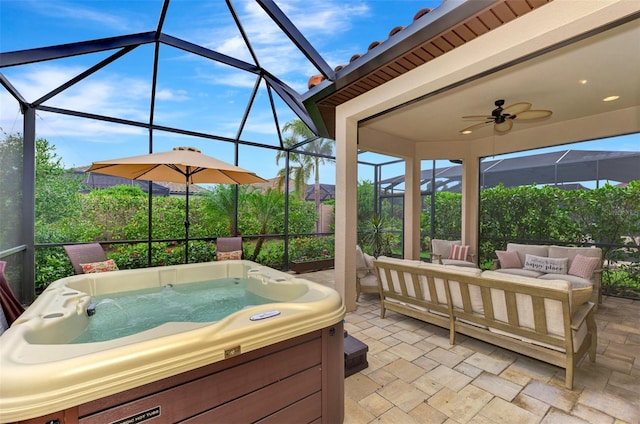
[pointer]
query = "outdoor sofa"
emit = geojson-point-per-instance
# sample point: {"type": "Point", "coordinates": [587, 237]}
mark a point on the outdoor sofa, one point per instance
{"type": "Point", "coordinates": [543, 319]}
{"type": "Point", "coordinates": [579, 266]}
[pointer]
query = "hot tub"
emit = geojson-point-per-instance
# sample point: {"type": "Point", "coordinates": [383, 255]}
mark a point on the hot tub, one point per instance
{"type": "Point", "coordinates": [281, 360]}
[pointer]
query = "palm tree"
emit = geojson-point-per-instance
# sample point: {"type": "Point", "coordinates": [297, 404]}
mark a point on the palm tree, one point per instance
{"type": "Point", "coordinates": [307, 162]}
{"type": "Point", "coordinates": [267, 207]}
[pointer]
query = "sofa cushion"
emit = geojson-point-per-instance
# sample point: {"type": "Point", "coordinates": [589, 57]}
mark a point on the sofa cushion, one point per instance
{"type": "Point", "coordinates": [583, 266]}
{"type": "Point", "coordinates": [508, 259]}
{"type": "Point", "coordinates": [571, 252]}
{"type": "Point", "coordinates": [523, 249]}
{"type": "Point", "coordinates": [521, 272]}
{"type": "Point", "coordinates": [545, 264]}
{"type": "Point", "coordinates": [575, 281]}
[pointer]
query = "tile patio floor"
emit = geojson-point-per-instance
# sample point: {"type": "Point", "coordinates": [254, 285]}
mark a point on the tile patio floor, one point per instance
{"type": "Point", "coordinates": [415, 376]}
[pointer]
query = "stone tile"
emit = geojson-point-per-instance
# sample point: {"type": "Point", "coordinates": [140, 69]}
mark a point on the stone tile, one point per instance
{"type": "Point", "coordinates": [376, 333]}
{"type": "Point", "coordinates": [404, 370]}
{"type": "Point", "coordinates": [438, 340]}
{"type": "Point", "coordinates": [556, 416]}
{"type": "Point", "coordinates": [358, 387]}
{"type": "Point", "coordinates": [627, 382]}
{"type": "Point", "coordinates": [468, 369]}
{"type": "Point", "coordinates": [408, 337]}
{"type": "Point", "coordinates": [525, 369]}
{"type": "Point", "coordinates": [592, 375]}
{"type": "Point", "coordinates": [425, 363]}
{"type": "Point", "coordinates": [382, 377]}
{"type": "Point", "coordinates": [376, 404]}
{"type": "Point", "coordinates": [354, 413]}
{"type": "Point", "coordinates": [424, 346]}
{"type": "Point", "coordinates": [425, 413]}
{"type": "Point", "coordinates": [590, 415]}
{"type": "Point", "coordinates": [390, 341]}
{"type": "Point", "coordinates": [386, 357]}
{"type": "Point", "coordinates": [410, 324]}
{"type": "Point", "coordinates": [614, 363]}
{"type": "Point", "coordinates": [497, 386]}
{"type": "Point", "coordinates": [403, 395]}
{"type": "Point", "coordinates": [500, 411]}
{"type": "Point", "coordinates": [535, 406]}
{"type": "Point", "coordinates": [397, 416]}
{"type": "Point", "coordinates": [445, 357]}
{"type": "Point", "coordinates": [426, 384]}
{"type": "Point", "coordinates": [406, 351]}
{"type": "Point", "coordinates": [560, 398]}
{"type": "Point", "coordinates": [460, 406]}
{"type": "Point", "coordinates": [452, 379]}
{"type": "Point", "coordinates": [487, 363]}
{"type": "Point", "coordinates": [479, 346]}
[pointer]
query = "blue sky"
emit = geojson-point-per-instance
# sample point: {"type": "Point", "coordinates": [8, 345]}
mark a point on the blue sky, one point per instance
{"type": "Point", "coordinates": [192, 93]}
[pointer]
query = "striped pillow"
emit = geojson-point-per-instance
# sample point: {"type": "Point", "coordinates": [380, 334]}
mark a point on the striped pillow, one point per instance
{"type": "Point", "coordinates": [583, 266]}
{"type": "Point", "coordinates": [459, 252]}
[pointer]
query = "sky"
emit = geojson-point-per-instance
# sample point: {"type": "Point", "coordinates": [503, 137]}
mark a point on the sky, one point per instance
{"type": "Point", "coordinates": [193, 93]}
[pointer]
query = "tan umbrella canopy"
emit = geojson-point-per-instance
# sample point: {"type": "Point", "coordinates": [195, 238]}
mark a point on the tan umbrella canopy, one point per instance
{"type": "Point", "coordinates": [181, 165]}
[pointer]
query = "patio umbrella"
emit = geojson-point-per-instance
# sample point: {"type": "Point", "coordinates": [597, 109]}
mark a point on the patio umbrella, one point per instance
{"type": "Point", "coordinates": [181, 165]}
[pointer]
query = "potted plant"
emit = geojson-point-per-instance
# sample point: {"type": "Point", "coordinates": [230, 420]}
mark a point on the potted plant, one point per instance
{"type": "Point", "coordinates": [311, 254]}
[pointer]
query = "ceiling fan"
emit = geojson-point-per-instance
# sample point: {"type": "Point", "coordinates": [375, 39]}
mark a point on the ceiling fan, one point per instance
{"type": "Point", "coordinates": [502, 118]}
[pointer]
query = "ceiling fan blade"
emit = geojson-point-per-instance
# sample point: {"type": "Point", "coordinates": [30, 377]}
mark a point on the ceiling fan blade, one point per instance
{"type": "Point", "coordinates": [503, 127]}
{"type": "Point", "coordinates": [478, 117]}
{"type": "Point", "coordinates": [516, 108]}
{"type": "Point", "coordinates": [475, 127]}
{"type": "Point", "coordinates": [532, 114]}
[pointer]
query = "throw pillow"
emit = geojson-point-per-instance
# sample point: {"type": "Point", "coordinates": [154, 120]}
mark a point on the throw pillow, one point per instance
{"type": "Point", "coordinates": [508, 259]}
{"type": "Point", "coordinates": [459, 252]}
{"type": "Point", "coordinates": [233, 255]}
{"type": "Point", "coordinates": [547, 265]}
{"type": "Point", "coordinates": [104, 266]}
{"type": "Point", "coordinates": [583, 266]}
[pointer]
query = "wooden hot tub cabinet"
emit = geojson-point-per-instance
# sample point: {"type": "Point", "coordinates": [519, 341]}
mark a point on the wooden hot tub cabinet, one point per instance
{"type": "Point", "coordinates": [300, 380]}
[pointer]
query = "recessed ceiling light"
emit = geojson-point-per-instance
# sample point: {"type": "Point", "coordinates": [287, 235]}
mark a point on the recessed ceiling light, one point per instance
{"type": "Point", "coordinates": [466, 132]}
{"type": "Point", "coordinates": [583, 81]}
{"type": "Point", "coordinates": [610, 98]}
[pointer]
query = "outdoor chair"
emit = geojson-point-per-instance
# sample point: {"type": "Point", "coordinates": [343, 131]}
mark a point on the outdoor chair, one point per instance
{"type": "Point", "coordinates": [84, 254]}
{"type": "Point", "coordinates": [366, 279]}
{"type": "Point", "coordinates": [448, 252]}
{"type": "Point", "coordinates": [10, 307]}
{"type": "Point", "coordinates": [229, 248]}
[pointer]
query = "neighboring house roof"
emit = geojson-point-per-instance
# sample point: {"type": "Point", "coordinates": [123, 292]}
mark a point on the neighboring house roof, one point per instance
{"type": "Point", "coordinates": [93, 180]}
{"type": "Point", "coordinates": [181, 189]}
{"type": "Point", "coordinates": [327, 192]}
{"type": "Point", "coordinates": [566, 168]}
{"type": "Point", "coordinates": [100, 181]}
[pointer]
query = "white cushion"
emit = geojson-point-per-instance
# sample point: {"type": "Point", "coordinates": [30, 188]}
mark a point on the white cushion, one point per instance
{"type": "Point", "coordinates": [545, 264]}
{"type": "Point", "coordinates": [520, 272]}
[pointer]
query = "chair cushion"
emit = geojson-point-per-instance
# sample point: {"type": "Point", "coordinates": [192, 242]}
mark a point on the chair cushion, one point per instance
{"type": "Point", "coordinates": [443, 247]}
{"type": "Point", "coordinates": [459, 252]}
{"type": "Point", "coordinates": [225, 256]}
{"type": "Point", "coordinates": [103, 266]}
{"type": "Point", "coordinates": [508, 259]}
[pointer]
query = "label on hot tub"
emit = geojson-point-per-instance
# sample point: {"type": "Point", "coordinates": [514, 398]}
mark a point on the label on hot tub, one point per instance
{"type": "Point", "coordinates": [264, 315]}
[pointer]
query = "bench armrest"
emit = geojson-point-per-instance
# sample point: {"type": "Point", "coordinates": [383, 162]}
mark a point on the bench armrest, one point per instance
{"type": "Point", "coordinates": [581, 314]}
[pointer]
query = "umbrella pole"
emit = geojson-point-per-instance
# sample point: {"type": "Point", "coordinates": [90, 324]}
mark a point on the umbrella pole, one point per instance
{"type": "Point", "coordinates": [186, 226]}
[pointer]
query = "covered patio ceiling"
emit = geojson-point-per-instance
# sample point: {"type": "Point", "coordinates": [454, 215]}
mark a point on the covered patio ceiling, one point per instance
{"type": "Point", "coordinates": [568, 69]}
